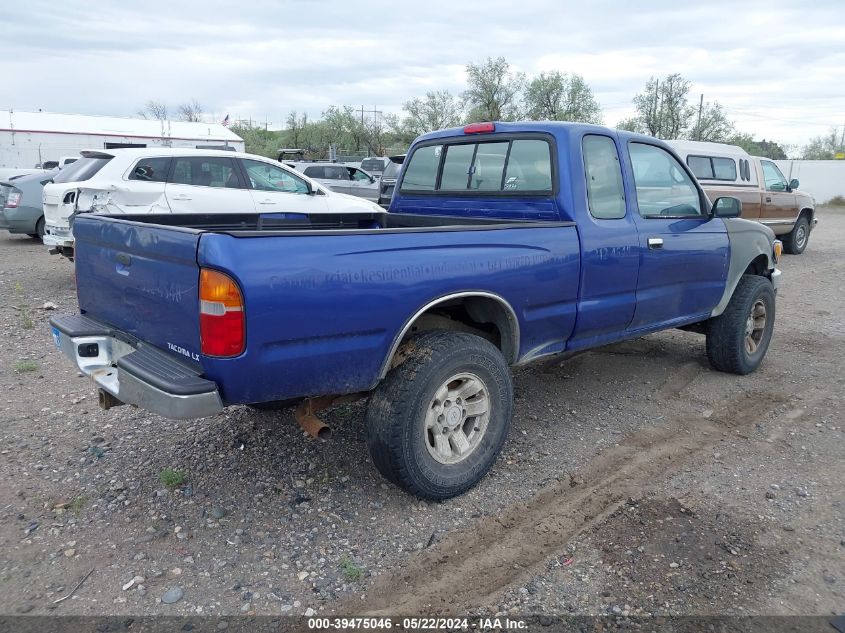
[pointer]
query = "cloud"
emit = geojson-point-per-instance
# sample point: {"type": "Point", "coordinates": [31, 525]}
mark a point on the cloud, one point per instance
{"type": "Point", "coordinates": [777, 68]}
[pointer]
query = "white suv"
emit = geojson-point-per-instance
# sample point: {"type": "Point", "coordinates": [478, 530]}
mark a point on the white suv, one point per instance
{"type": "Point", "coordinates": [181, 181]}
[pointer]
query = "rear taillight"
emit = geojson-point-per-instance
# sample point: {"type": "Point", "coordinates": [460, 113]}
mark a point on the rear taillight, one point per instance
{"type": "Point", "coordinates": [14, 198]}
{"type": "Point", "coordinates": [222, 331]}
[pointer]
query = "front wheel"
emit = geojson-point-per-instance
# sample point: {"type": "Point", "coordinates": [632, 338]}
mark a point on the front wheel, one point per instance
{"type": "Point", "coordinates": [796, 240]}
{"type": "Point", "coordinates": [437, 422]}
{"type": "Point", "coordinates": [738, 338]}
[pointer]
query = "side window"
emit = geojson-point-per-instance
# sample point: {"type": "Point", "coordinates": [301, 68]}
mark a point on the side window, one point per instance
{"type": "Point", "coordinates": [605, 193]}
{"type": "Point", "coordinates": [774, 179]}
{"type": "Point", "coordinates": [663, 187]}
{"type": "Point", "coordinates": [151, 169]}
{"type": "Point", "coordinates": [205, 171]}
{"type": "Point", "coordinates": [359, 175]}
{"type": "Point", "coordinates": [701, 167]}
{"type": "Point", "coordinates": [335, 172]}
{"type": "Point", "coordinates": [315, 171]}
{"type": "Point", "coordinates": [421, 173]}
{"type": "Point", "coordinates": [724, 169]}
{"type": "Point", "coordinates": [266, 177]}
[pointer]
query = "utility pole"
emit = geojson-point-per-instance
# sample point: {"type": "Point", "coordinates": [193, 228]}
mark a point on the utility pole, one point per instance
{"type": "Point", "coordinates": [700, 108]}
{"type": "Point", "coordinates": [654, 129]}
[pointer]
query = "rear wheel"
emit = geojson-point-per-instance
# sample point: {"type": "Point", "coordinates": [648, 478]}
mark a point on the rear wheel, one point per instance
{"type": "Point", "coordinates": [39, 229]}
{"type": "Point", "coordinates": [738, 338]}
{"type": "Point", "coordinates": [796, 240]}
{"type": "Point", "coordinates": [437, 422]}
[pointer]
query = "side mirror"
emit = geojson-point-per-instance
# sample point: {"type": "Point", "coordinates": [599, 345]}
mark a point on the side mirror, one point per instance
{"type": "Point", "coordinates": [793, 184]}
{"type": "Point", "coordinates": [727, 207]}
{"type": "Point", "coordinates": [372, 180]}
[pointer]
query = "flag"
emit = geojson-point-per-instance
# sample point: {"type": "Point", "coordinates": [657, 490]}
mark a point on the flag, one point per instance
{"type": "Point", "coordinates": [225, 121]}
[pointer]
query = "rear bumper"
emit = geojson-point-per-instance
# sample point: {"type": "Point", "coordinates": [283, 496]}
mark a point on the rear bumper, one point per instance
{"type": "Point", "coordinates": [57, 236]}
{"type": "Point", "coordinates": [134, 372]}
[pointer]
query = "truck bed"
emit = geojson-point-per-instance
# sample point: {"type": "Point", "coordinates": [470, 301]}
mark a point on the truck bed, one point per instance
{"type": "Point", "coordinates": [325, 297]}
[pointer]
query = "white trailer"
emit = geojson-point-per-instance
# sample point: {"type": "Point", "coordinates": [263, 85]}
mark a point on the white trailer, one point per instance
{"type": "Point", "coordinates": [28, 139]}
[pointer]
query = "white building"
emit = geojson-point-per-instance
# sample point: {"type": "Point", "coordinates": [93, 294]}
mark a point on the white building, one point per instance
{"type": "Point", "coordinates": [30, 138]}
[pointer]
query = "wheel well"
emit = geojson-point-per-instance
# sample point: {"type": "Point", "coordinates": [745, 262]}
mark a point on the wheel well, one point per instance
{"type": "Point", "coordinates": [807, 213]}
{"type": "Point", "coordinates": [758, 266]}
{"type": "Point", "coordinates": [485, 315]}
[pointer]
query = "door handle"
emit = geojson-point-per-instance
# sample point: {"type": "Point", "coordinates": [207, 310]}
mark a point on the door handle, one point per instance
{"type": "Point", "coordinates": [181, 196]}
{"type": "Point", "coordinates": [768, 199]}
{"type": "Point", "coordinates": [265, 202]}
{"type": "Point", "coordinates": [655, 242]}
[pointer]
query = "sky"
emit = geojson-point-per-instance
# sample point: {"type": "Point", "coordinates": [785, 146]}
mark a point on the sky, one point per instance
{"type": "Point", "coordinates": [778, 68]}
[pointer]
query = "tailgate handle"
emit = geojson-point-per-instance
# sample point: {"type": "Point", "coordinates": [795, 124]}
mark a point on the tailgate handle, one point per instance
{"type": "Point", "coordinates": [124, 258]}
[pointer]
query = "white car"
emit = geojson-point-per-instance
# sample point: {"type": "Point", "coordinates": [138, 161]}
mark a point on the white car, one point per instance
{"type": "Point", "coordinates": [136, 181]}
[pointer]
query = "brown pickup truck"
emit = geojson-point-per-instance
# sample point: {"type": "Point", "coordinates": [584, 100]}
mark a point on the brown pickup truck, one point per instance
{"type": "Point", "coordinates": [727, 170]}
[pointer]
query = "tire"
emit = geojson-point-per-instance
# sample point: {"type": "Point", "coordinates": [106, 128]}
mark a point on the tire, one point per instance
{"type": "Point", "coordinates": [445, 377]}
{"type": "Point", "coordinates": [39, 229]}
{"type": "Point", "coordinates": [796, 240]}
{"type": "Point", "coordinates": [728, 347]}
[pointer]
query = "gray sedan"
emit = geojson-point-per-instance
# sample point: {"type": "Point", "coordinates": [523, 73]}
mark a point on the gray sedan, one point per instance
{"type": "Point", "coordinates": [341, 178]}
{"type": "Point", "coordinates": [21, 199]}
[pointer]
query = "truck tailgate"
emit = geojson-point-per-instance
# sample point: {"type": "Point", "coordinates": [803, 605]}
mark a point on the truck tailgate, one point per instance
{"type": "Point", "coordinates": [141, 279]}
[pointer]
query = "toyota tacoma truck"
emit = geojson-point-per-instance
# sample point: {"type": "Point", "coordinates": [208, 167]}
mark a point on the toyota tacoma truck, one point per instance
{"type": "Point", "coordinates": [504, 243]}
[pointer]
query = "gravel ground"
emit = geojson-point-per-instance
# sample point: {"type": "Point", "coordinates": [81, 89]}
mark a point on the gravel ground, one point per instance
{"type": "Point", "coordinates": [635, 480]}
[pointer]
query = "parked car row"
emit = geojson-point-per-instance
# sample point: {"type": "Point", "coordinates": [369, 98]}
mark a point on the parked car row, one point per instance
{"type": "Point", "coordinates": [182, 181]}
{"type": "Point", "coordinates": [176, 181]}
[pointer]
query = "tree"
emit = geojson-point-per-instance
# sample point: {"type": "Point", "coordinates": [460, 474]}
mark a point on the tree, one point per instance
{"type": "Point", "coordinates": [437, 110]}
{"type": "Point", "coordinates": [257, 140]}
{"type": "Point", "coordinates": [493, 92]}
{"type": "Point", "coordinates": [711, 125]}
{"type": "Point", "coordinates": [190, 111]}
{"type": "Point", "coordinates": [662, 108]}
{"type": "Point", "coordinates": [560, 96]}
{"type": "Point", "coordinates": [154, 110]}
{"type": "Point", "coordinates": [825, 147]}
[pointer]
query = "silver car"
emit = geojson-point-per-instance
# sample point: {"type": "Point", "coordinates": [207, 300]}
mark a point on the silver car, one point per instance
{"type": "Point", "coordinates": [20, 203]}
{"type": "Point", "coordinates": [341, 178]}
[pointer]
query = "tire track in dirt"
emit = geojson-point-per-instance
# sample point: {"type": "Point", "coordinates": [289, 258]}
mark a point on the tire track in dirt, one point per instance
{"type": "Point", "coordinates": [495, 552]}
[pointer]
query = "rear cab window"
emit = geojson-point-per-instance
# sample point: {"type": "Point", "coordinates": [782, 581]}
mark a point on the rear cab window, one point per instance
{"type": "Point", "coordinates": [494, 165]}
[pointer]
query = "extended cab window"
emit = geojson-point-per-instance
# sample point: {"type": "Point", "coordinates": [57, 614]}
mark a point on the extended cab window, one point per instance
{"type": "Point", "coordinates": [266, 177]}
{"type": "Point", "coordinates": [605, 193]}
{"type": "Point", "coordinates": [151, 169]}
{"type": "Point", "coordinates": [774, 179]}
{"type": "Point", "coordinates": [489, 166]}
{"type": "Point", "coordinates": [663, 187]}
{"type": "Point", "coordinates": [205, 171]}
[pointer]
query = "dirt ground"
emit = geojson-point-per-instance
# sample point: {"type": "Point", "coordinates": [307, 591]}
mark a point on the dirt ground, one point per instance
{"type": "Point", "coordinates": [635, 481]}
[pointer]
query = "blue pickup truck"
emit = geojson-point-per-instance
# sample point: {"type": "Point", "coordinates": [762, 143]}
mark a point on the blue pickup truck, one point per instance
{"type": "Point", "coordinates": [504, 243]}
